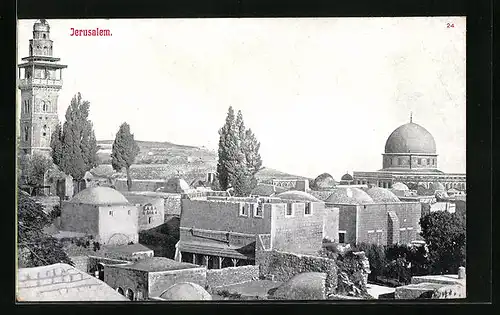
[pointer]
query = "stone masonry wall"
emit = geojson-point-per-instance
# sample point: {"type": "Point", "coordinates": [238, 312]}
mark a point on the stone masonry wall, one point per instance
{"type": "Point", "coordinates": [81, 263]}
{"type": "Point", "coordinates": [160, 281]}
{"type": "Point", "coordinates": [347, 222]}
{"type": "Point", "coordinates": [135, 280]}
{"type": "Point", "coordinates": [231, 275]}
{"type": "Point", "coordinates": [283, 266]}
{"type": "Point", "coordinates": [298, 233]}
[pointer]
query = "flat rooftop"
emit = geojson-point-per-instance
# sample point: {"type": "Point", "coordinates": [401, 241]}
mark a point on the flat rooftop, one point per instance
{"type": "Point", "coordinates": [158, 264]}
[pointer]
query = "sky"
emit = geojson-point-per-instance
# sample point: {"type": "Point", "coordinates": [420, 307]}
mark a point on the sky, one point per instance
{"type": "Point", "coordinates": [321, 95]}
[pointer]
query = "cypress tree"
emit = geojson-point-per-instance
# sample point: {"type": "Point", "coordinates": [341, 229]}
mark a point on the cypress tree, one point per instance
{"type": "Point", "coordinates": [251, 147]}
{"type": "Point", "coordinates": [239, 158]}
{"type": "Point", "coordinates": [124, 151]}
{"type": "Point", "coordinates": [228, 148]}
{"type": "Point", "coordinates": [56, 145]}
{"type": "Point", "coordinates": [79, 147]}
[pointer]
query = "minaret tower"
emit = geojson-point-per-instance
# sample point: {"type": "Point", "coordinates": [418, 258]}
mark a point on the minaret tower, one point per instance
{"type": "Point", "coordinates": [40, 80]}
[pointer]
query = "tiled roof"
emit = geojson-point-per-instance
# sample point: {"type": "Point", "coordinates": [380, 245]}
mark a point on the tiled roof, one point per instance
{"type": "Point", "coordinates": [62, 282]}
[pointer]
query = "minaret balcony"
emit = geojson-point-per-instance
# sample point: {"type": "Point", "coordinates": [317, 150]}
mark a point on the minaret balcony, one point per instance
{"type": "Point", "coordinates": [26, 83]}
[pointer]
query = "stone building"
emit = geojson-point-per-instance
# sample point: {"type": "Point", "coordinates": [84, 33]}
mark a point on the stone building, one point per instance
{"type": "Point", "coordinates": [410, 157]}
{"type": "Point", "coordinates": [40, 81]}
{"type": "Point", "coordinates": [150, 277]}
{"type": "Point", "coordinates": [150, 209]}
{"type": "Point", "coordinates": [221, 232]}
{"type": "Point", "coordinates": [376, 216]}
{"type": "Point", "coordinates": [103, 213]}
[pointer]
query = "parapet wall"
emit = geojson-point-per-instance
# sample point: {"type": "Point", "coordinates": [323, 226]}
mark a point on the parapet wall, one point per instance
{"type": "Point", "coordinates": [282, 266]}
{"type": "Point", "coordinates": [231, 275]}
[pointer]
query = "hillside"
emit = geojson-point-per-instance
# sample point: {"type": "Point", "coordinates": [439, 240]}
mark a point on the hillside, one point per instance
{"type": "Point", "coordinates": [162, 160]}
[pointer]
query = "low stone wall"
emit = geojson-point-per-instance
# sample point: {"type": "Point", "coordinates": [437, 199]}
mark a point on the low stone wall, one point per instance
{"type": "Point", "coordinates": [281, 266]}
{"type": "Point", "coordinates": [81, 263]}
{"type": "Point", "coordinates": [231, 275]}
{"type": "Point", "coordinates": [456, 291]}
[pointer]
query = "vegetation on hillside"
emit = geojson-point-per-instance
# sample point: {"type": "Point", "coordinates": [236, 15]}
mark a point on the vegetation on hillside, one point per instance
{"type": "Point", "coordinates": [239, 158]}
{"type": "Point", "coordinates": [74, 149]}
{"type": "Point", "coordinates": [35, 248]}
{"type": "Point", "coordinates": [124, 151]}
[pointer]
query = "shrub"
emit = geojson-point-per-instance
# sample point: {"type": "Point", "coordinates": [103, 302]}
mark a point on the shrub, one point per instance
{"type": "Point", "coordinates": [444, 234]}
{"type": "Point", "coordinates": [377, 257]}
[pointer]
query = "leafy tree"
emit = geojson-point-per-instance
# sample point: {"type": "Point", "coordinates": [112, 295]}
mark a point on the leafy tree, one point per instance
{"type": "Point", "coordinates": [251, 147]}
{"type": "Point", "coordinates": [78, 145]}
{"type": "Point", "coordinates": [444, 234]}
{"type": "Point", "coordinates": [124, 151]}
{"type": "Point", "coordinates": [36, 167]}
{"type": "Point", "coordinates": [35, 248]}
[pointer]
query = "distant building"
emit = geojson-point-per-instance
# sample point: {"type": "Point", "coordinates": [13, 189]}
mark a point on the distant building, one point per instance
{"type": "Point", "coordinates": [150, 209]}
{"type": "Point", "coordinates": [221, 232]}
{"type": "Point", "coordinates": [61, 282]}
{"type": "Point", "coordinates": [346, 179]}
{"type": "Point", "coordinates": [376, 216]}
{"type": "Point", "coordinates": [410, 157]}
{"type": "Point", "coordinates": [103, 213]}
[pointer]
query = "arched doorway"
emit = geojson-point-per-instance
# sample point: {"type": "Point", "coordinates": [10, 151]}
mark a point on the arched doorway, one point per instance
{"type": "Point", "coordinates": [120, 290]}
{"type": "Point", "coordinates": [130, 294]}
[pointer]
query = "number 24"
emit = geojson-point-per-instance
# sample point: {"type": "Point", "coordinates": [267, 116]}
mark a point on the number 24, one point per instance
{"type": "Point", "coordinates": [450, 25]}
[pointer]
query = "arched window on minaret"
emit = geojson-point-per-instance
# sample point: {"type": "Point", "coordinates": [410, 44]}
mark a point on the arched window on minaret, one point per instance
{"type": "Point", "coordinates": [31, 50]}
{"type": "Point", "coordinates": [44, 106]}
{"type": "Point", "coordinates": [44, 36]}
{"type": "Point", "coordinates": [26, 133]}
{"type": "Point", "coordinates": [47, 105]}
{"type": "Point", "coordinates": [45, 49]}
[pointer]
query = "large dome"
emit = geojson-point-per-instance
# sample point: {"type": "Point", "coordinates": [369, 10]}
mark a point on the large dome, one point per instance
{"type": "Point", "coordinates": [410, 138]}
{"type": "Point", "coordinates": [382, 195]}
{"type": "Point", "coordinates": [324, 181]}
{"type": "Point", "coordinates": [100, 196]}
{"type": "Point", "coordinates": [349, 195]}
{"type": "Point", "coordinates": [297, 196]}
{"type": "Point", "coordinates": [185, 291]}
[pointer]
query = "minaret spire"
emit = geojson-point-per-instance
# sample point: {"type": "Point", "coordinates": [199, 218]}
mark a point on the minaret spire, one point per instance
{"type": "Point", "coordinates": [411, 117]}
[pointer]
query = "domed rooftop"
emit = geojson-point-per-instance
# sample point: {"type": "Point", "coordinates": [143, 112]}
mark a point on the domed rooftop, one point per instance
{"type": "Point", "coordinates": [304, 286]}
{"type": "Point", "coordinates": [100, 196]}
{"type": "Point", "coordinates": [324, 181]}
{"type": "Point", "coordinates": [349, 195]}
{"type": "Point", "coordinates": [297, 195]}
{"type": "Point", "coordinates": [346, 176]}
{"type": "Point", "coordinates": [400, 186]}
{"type": "Point", "coordinates": [379, 194]}
{"type": "Point", "coordinates": [185, 291]}
{"type": "Point", "coordinates": [41, 25]}
{"type": "Point", "coordinates": [410, 138]}
{"type": "Point", "coordinates": [176, 185]}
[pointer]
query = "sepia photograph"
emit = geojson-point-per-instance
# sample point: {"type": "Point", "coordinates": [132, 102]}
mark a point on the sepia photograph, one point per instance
{"type": "Point", "coordinates": [239, 159]}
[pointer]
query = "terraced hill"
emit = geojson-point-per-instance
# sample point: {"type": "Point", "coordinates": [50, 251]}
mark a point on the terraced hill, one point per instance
{"type": "Point", "coordinates": [162, 160]}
